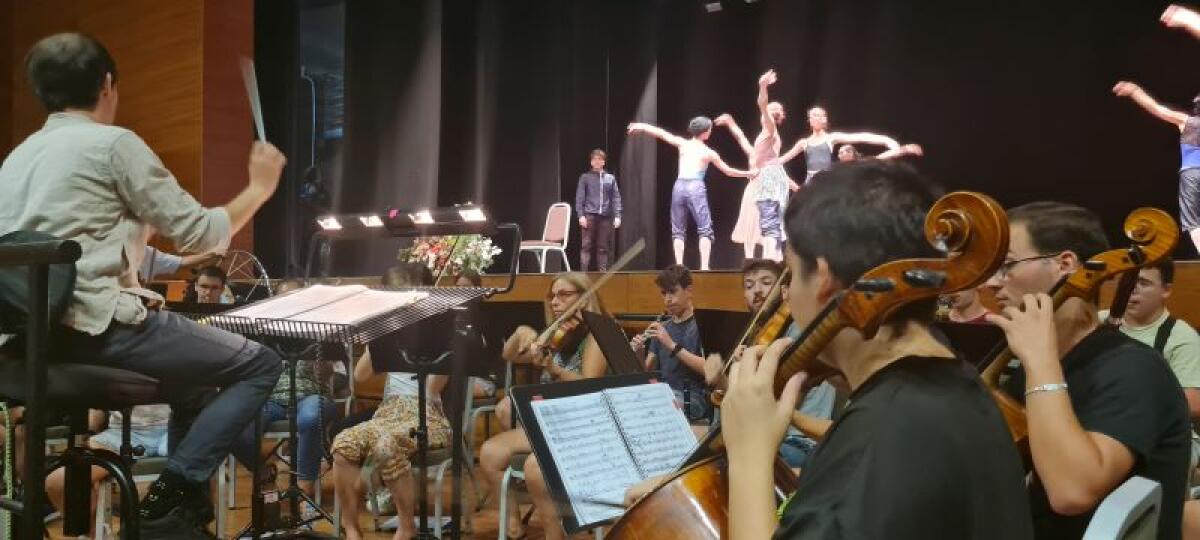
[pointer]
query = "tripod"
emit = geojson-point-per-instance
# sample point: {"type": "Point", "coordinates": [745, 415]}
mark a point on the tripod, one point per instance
{"type": "Point", "coordinates": [292, 493]}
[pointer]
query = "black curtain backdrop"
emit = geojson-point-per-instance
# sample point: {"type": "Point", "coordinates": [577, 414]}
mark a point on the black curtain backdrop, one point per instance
{"type": "Point", "coordinates": [500, 102]}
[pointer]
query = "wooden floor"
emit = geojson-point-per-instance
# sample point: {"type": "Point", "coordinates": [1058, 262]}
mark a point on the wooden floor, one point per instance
{"type": "Point", "coordinates": [483, 523]}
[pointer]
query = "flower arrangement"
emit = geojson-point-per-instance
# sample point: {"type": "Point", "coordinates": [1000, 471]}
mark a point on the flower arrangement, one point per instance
{"type": "Point", "coordinates": [454, 253]}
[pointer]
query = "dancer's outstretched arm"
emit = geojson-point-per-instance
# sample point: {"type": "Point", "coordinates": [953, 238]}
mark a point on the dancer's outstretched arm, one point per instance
{"type": "Point", "coordinates": [736, 131]}
{"type": "Point", "coordinates": [767, 79]}
{"type": "Point", "coordinates": [864, 138]}
{"type": "Point", "coordinates": [715, 159]}
{"type": "Point", "coordinates": [1177, 16]}
{"type": "Point", "coordinates": [794, 151]}
{"type": "Point", "coordinates": [660, 133]}
{"type": "Point", "coordinates": [1160, 111]}
{"type": "Point", "coordinates": [904, 150]}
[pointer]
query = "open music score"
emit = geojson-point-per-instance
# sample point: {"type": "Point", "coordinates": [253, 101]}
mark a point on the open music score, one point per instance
{"type": "Point", "coordinates": [326, 304]}
{"type": "Point", "coordinates": [604, 442]}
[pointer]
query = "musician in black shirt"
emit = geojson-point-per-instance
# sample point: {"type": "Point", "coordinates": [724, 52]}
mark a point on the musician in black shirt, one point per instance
{"type": "Point", "coordinates": [921, 451]}
{"type": "Point", "coordinates": [1111, 408]}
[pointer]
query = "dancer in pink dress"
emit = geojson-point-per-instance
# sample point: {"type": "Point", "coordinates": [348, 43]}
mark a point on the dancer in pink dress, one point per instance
{"type": "Point", "coordinates": [762, 155]}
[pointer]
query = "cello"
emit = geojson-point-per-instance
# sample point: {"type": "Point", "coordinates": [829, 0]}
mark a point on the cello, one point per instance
{"type": "Point", "coordinates": [693, 503]}
{"type": "Point", "coordinates": [1153, 235]}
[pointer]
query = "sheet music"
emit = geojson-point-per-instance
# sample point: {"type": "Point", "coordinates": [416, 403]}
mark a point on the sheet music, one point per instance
{"type": "Point", "coordinates": [296, 302]}
{"type": "Point", "coordinates": [655, 428]}
{"type": "Point", "coordinates": [361, 306]}
{"type": "Point", "coordinates": [588, 451]}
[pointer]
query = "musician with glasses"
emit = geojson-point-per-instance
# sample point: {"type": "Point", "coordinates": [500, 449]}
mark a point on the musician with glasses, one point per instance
{"type": "Point", "coordinates": [577, 356]}
{"type": "Point", "coordinates": [1101, 407]}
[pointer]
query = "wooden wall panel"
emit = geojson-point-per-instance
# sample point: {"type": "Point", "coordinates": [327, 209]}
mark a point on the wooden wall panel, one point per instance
{"type": "Point", "coordinates": [6, 75]}
{"type": "Point", "coordinates": [228, 36]}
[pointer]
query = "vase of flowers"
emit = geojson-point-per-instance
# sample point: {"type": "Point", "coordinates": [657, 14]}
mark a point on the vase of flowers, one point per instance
{"type": "Point", "coordinates": [450, 255]}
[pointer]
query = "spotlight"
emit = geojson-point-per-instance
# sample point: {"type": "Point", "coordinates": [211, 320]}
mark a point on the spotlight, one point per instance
{"type": "Point", "coordinates": [329, 223]}
{"type": "Point", "coordinates": [711, 7]}
{"type": "Point", "coordinates": [472, 214]}
{"type": "Point", "coordinates": [422, 217]}
{"type": "Point", "coordinates": [371, 220]}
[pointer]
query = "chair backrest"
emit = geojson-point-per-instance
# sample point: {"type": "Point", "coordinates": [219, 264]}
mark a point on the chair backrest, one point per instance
{"type": "Point", "coordinates": [14, 286]}
{"type": "Point", "coordinates": [558, 223]}
{"type": "Point", "coordinates": [1130, 512]}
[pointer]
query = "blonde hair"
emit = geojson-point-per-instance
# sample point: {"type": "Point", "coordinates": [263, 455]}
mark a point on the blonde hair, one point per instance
{"type": "Point", "coordinates": [581, 283]}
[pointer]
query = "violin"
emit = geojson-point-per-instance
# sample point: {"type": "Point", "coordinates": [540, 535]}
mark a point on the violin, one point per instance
{"type": "Point", "coordinates": [1153, 235]}
{"type": "Point", "coordinates": [557, 332]}
{"type": "Point", "coordinates": [694, 503]}
{"type": "Point", "coordinates": [768, 324]}
{"type": "Point", "coordinates": [780, 319]}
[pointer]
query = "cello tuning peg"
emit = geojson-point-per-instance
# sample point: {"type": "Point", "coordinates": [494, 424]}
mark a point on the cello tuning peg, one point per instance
{"type": "Point", "coordinates": [926, 279]}
{"type": "Point", "coordinates": [1095, 266]}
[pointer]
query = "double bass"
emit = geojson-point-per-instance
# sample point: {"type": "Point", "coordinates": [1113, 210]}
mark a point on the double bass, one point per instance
{"type": "Point", "coordinates": [1153, 235]}
{"type": "Point", "coordinates": [693, 503]}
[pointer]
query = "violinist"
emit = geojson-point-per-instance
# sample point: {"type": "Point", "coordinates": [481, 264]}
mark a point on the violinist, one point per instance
{"type": "Point", "coordinates": [816, 409]}
{"type": "Point", "coordinates": [575, 356]}
{"type": "Point", "coordinates": [674, 345]}
{"type": "Point", "coordinates": [1100, 406]}
{"type": "Point", "coordinates": [920, 451]}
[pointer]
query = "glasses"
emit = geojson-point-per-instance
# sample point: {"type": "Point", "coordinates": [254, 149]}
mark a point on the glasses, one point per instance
{"type": "Point", "coordinates": [564, 294]}
{"type": "Point", "coordinates": [1006, 268]}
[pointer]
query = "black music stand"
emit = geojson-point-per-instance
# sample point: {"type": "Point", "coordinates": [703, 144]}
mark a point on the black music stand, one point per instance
{"type": "Point", "coordinates": [522, 398]}
{"type": "Point", "coordinates": [720, 329]}
{"type": "Point", "coordinates": [420, 349]}
{"type": "Point", "coordinates": [971, 341]}
{"type": "Point", "coordinates": [613, 343]}
{"type": "Point", "coordinates": [462, 301]}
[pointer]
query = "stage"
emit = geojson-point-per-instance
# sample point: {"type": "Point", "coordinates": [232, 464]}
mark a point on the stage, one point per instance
{"type": "Point", "coordinates": [634, 293]}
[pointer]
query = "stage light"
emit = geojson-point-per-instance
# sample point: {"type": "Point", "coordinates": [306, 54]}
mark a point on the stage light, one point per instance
{"type": "Point", "coordinates": [371, 220]}
{"type": "Point", "coordinates": [422, 217]}
{"type": "Point", "coordinates": [329, 223]}
{"type": "Point", "coordinates": [472, 214]}
{"type": "Point", "coordinates": [711, 7]}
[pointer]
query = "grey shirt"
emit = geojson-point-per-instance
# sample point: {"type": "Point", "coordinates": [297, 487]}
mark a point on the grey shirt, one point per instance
{"type": "Point", "coordinates": [103, 187]}
{"type": "Point", "coordinates": [156, 262]}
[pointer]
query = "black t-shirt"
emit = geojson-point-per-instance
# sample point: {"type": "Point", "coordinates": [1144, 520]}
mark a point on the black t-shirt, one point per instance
{"type": "Point", "coordinates": [920, 452]}
{"type": "Point", "coordinates": [1124, 389]}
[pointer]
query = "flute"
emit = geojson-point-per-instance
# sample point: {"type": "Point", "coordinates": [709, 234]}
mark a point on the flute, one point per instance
{"type": "Point", "coordinates": [659, 319]}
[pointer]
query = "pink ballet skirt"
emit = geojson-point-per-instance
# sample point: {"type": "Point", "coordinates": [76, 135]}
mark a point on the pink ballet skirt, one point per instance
{"type": "Point", "coordinates": [747, 230]}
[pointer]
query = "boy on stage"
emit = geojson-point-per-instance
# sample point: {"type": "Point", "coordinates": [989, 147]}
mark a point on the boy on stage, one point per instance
{"type": "Point", "coordinates": [598, 201]}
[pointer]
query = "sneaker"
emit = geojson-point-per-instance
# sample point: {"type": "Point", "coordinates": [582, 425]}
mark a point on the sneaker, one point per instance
{"type": "Point", "coordinates": [178, 524]}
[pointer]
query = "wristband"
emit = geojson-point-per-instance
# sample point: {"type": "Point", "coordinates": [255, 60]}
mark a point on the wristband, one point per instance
{"type": "Point", "coordinates": [675, 351]}
{"type": "Point", "coordinates": [1052, 387]}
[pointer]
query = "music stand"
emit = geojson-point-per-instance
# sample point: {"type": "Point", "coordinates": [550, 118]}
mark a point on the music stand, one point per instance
{"type": "Point", "coordinates": [420, 349]}
{"type": "Point", "coordinates": [613, 343]}
{"type": "Point", "coordinates": [971, 341]}
{"type": "Point", "coordinates": [720, 329]}
{"type": "Point", "coordinates": [522, 398]}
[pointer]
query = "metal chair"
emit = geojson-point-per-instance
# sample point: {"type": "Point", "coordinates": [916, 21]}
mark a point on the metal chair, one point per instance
{"type": "Point", "coordinates": [555, 234]}
{"type": "Point", "coordinates": [1130, 512]}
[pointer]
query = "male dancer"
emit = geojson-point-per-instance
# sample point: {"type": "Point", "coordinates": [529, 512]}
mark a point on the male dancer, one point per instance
{"type": "Point", "coordinates": [82, 178]}
{"type": "Point", "coordinates": [689, 195]}
{"type": "Point", "coordinates": [767, 193]}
